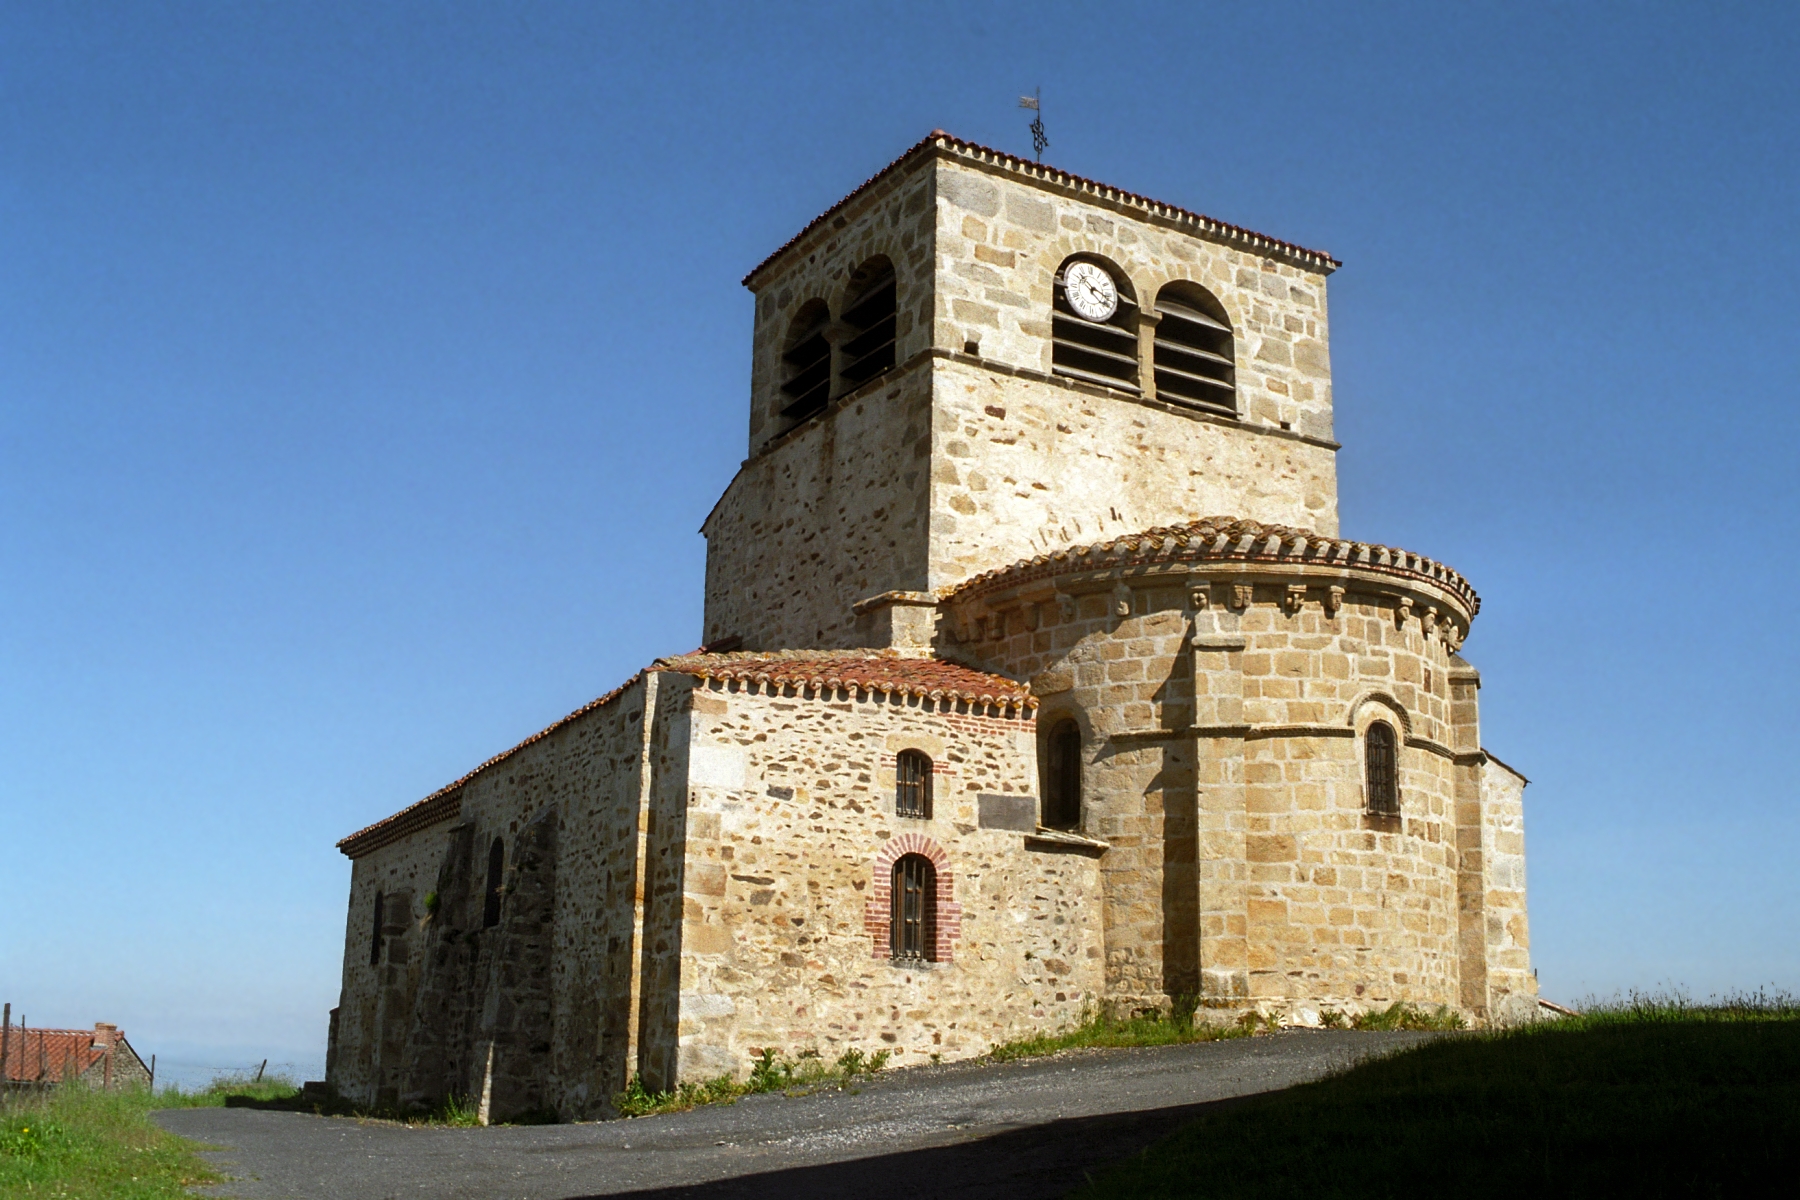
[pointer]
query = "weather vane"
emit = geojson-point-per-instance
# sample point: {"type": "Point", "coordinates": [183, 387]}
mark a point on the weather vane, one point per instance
{"type": "Point", "coordinates": [1035, 102]}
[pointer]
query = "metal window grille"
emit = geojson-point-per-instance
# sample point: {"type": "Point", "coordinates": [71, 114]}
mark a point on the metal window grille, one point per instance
{"type": "Point", "coordinates": [1103, 352]}
{"type": "Point", "coordinates": [1383, 775]}
{"type": "Point", "coordinates": [915, 885]}
{"type": "Point", "coordinates": [375, 941]}
{"type": "Point", "coordinates": [1192, 353]}
{"type": "Point", "coordinates": [1062, 778]}
{"type": "Point", "coordinates": [912, 791]}
{"type": "Point", "coordinates": [496, 877]}
{"type": "Point", "coordinates": [869, 324]}
{"type": "Point", "coordinates": [806, 367]}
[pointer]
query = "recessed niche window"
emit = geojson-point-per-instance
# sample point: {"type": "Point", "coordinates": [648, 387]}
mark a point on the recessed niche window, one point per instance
{"type": "Point", "coordinates": [806, 363]}
{"type": "Point", "coordinates": [1381, 770]}
{"type": "Point", "coordinates": [375, 940]}
{"type": "Point", "coordinates": [914, 899]}
{"type": "Point", "coordinates": [1093, 325]}
{"type": "Point", "coordinates": [496, 880]}
{"type": "Point", "coordinates": [870, 320]}
{"type": "Point", "coordinates": [1193, 351]}
{"type": "Point", "coordinates": [1062, 776]}
{"type": "Point", "coordinates": [912, 786]}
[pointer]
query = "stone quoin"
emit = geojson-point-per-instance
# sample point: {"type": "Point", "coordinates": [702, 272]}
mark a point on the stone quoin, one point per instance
{"type": "Point", "coordinates": [1169, 740]}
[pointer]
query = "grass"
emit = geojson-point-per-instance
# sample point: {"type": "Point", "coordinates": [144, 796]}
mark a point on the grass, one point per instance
{"type": "Point", "coordinates": [768, 1073]}
{"type": "Point", "coordinates": [1180, 1027]}
{"type": "Point", "coordinates": [75, 1142]}
{"type": "Point", "coordinates": [1650, 1096]}
{"type": "Point", "coordinates": [229, 1091]}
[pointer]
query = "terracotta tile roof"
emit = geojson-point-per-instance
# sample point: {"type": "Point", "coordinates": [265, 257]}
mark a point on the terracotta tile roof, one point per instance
{"type": "Point", "coordinates": [939, 141]}
{"type": "Point", "coordinates": [446, 802]}
{"type": "Point", "coordinates": [51, 1054]}
{"type": "Point", "coordinates": [873, 671]}
{"type": "Point", "coordinates": [858, 670]}
{"type": "Point", "coordinates": [1227, 539]}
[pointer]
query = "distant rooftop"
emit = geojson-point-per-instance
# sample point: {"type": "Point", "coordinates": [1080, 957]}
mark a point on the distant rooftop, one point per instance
{"type": "Point", "coordinates": [53, 1055]}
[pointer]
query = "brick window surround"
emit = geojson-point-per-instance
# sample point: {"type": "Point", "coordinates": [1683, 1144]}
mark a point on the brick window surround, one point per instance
{"type": "Point", "coordinates": [878, 912]}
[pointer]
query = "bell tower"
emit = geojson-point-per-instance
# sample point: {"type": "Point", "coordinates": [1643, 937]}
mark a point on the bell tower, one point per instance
{"type": "Point", "coordinates": [973, 359]}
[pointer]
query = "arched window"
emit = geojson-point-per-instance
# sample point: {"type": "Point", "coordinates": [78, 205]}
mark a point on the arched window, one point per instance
{"type": "Point", "coordinates": [915, 901]}
{"type": "Point", "coordinates": [1381, 768]}
{"type": "Point", "coordinates": [1062, 776]}
{"type": "Point", "coordinates": [869, 323]}
{"type": "Point", "coordinates": [912, 790]}
{"type": "Point", "coordinates": [1195, 362]}
{"type": "Point", "coordinates": [1093, 324]}
{"type": "Point", "coordinates": [375, 938]}
{"type": "Point", "coordinates": [496, 878]}
{"type": "Point", "coordinates": [806, 364]}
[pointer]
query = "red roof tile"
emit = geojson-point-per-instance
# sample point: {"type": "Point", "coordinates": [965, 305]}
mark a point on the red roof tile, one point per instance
{"type": "Point", "coordinates": [867, 670]}
{"type": "Point", "coordinates": [446, 803]}
{"type": "Point", "coordinates": [52, 1055]}
{"type": "Point", "coordinates": [937, 140]}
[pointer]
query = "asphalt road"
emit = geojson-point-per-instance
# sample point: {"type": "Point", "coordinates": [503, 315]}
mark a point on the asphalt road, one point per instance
{"type": "Point", "coordinates": [1026, 1129]}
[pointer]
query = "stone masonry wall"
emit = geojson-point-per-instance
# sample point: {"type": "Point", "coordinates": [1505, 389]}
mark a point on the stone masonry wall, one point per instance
{"type": "Point", "coordinates": [566, 808]}
{"type": "Point", "coordinates": [1511, 987]}
{"type": "Point", "coordinates": [1000, 240]}
{"type": "Point", "coordinates": [893, 220]}
{"type": "Point", "coordinates": [1223, 763]}
{"type": "Point", "coordinates": [402, 873]}
{"type": "Point", "coordinates": [1023, 466]}
{"type": "Point", "coordinates": [790, 821]}
{"type": "Point", "coordinates": [823, 515]}
{"type": "Point", "coordinates": [832, 515]}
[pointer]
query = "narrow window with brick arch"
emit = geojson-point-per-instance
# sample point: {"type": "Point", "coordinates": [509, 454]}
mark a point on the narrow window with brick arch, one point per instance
{"type": "Point", "coordinates": [806, 364]}
{"type": "Point", "coordinates": [1062, 776]}
{"type": "Point", "coordinates": [870, 320]}
{"type": "Point", "coordinates": [915, 904]}
{"type": "Point", "coordinates": [496, 879]}
{"type": "Point", "coordinates": [375, 938]}
{"type": "Point", "coordinates": [1381, 768]}
{"type": "Point", "coordinates": [912, 784]}
{"type": "Point", "coordinates": [1193, 352]}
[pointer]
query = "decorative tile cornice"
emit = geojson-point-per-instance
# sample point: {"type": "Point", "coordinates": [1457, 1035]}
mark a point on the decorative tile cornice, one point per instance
{"type": "Point", "coordinates": [940, 143]}
{"type": "Point", "coordinates": [1226, 540]}
{"type": "Point", "coordinates": [811, 671]}
{"type": "Point", "coordinates": [863, 672]}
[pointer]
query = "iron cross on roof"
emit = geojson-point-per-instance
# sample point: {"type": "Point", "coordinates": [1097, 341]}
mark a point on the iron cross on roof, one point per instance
{"type": "Point", "coordinates": [1035, 102]}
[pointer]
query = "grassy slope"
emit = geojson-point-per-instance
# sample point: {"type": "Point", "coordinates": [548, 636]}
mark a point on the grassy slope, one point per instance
{"type": "Point", "coordinates": [77, 1143]}
{"type": "Point", "coordinates": [1649, 1100]}
{"type": "Point", "coordinates": [1100, 1032]}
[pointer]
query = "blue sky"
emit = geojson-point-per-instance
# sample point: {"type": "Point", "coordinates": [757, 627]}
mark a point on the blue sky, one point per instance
{"type": "Point", "coordinates": [366, 372]}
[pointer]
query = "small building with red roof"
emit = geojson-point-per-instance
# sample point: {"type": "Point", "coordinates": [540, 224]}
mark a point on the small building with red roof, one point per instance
{"type": "Point", "coordinates": [97, 1057]}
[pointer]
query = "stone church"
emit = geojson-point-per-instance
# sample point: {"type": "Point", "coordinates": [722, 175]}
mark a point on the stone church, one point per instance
{"type": "Point", "coordinates": [1035, 681]}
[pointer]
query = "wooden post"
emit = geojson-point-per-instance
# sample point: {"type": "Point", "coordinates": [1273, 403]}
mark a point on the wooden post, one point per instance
{"type": "Point", "coordinates": [5, 1039]}
{"type": "Point", "coordinates": [260, 1070]}
{"type": "Point", "coordinates": [153, 1074]}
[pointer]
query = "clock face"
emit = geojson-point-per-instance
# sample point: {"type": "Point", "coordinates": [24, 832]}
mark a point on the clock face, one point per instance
{"type": "Point", "coordinates": [1091, 291]}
